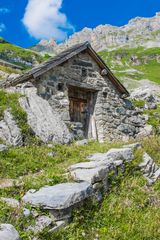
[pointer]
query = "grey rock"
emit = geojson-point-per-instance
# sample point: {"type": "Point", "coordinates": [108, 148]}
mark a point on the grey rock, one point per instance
{"type": "Point", "coordinates": [118, 163]}
{"type": "Point", "coordinates": [44, 122]}
{"type": "Point", "coordinates": [50, 145]}
{"type": "Point", "coordinates": [82, 142]}
{"type": "Point", "coordinates": [149, 169]}
{"type": "Point", "coordinates": [138, 32]}
{"type": "Point", "coordinates": [98, 157]}
{"type": "Point", "coordinates": [11, 202]}
{"type": "Point", "coordinates": [150, 106]}
{"type": "Point", "coordinates": [3, 147]}
{"type": "Point", "coordinates": [52, 154]}
{"type": "Point", "coordinates": [8, 232]}
{"type": "Point", "coordinates": [26, 212]}
{"type": "Point", "coordinates": [9, 131]}
{"type": "Point", "coordinates": [59, 224]}
{"type": "Point", "coordinates": [120, 154]}
{"type": "Point", "coordinates": [60, 196]}
{"type": "Point", "coordinates": [92, 176]}
{"type": "Point", "coordinates": [133, 146]}
{"type": "Point", "coordinates": [41, 223]}
{"type": "Point", "coordinates": [90, 165]}
{"type": "Point", "coordinates": [146, 131]}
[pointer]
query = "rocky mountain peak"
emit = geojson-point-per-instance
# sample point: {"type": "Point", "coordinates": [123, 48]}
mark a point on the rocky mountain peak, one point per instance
{"type": "Point", "coordinates": [46, 45]}
{"type": "Point", "coordinates": [139, 31]}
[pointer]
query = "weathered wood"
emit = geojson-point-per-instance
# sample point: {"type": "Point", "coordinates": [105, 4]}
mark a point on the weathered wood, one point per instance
{"type": "Point", "coordinates": [86, 86]}
{"type": "Point", "coordinates": [94, 128]}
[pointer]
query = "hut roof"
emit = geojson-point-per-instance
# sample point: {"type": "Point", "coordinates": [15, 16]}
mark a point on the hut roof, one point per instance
{"type": "Point", "coordinates": [63, 57]}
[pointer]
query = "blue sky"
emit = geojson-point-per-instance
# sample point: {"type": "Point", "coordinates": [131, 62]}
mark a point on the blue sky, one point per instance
{"type": "Point", "coordinates": [25, 22]}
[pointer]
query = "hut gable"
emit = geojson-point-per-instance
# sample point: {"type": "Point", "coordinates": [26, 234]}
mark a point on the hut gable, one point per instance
{"type": "Point", "coordinates": [85, 94]}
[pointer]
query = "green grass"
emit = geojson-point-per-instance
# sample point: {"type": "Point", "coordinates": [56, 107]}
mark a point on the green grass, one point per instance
{"type": "Point", "coordinates": [129, 211]}
{"type": "Point", "coordinates": [138, 103]}
{"type": "Point", "coordinates": [9, 51]}
{"type": "Point", "coordinates": [121, 59]}
{"type": "Point", "coordinates": [154, 118]}
{"type": "Point", "coordinates": [8, 70]}
{"type": "Point", "coordinates": [10, 101]}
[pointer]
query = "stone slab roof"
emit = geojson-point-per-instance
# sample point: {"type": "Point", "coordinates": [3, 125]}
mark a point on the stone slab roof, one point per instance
{"type": "Point", "coordinates": [63, 57]}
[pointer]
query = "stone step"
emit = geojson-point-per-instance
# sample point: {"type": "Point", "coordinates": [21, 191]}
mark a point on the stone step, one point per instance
{"type": "Point", "coordinates": [114, 154]}
{"type": "Point", "coordinates": [90, 175]}
{"type": "Point", "coordinates": [61, 196]}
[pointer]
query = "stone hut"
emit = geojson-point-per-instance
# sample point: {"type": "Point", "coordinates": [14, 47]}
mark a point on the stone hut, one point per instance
{"type": "Point", "coordinates": [86, 95]}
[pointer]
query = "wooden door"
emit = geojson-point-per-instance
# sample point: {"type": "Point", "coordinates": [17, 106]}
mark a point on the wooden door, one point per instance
{"type": "Point", "coordinates": [79, 111]}
{"type": "Point", "coordinates": [81, 107]}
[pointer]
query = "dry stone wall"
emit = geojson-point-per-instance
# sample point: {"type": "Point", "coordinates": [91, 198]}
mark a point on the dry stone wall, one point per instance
{"type": "Point", "coordinates": [115, 117]}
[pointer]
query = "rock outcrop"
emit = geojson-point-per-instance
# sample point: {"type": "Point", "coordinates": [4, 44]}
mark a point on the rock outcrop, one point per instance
{"type": "Point", "coordinates": [91, 180]}
{"type": "Point", "coordinates": [138, 32]}
{"type": "Point", "coordinates": [3, 147]}
{"type": "Point", "coordinates": [150, 170]}
{"type": "Point", "coordinates": [8, 232]}
{"type": "Point", "coordinates": [58, 197]}
{"type": "Point", "coordinates": [9, 131]}
{"type": "Point", "coordinates": [44, 122]}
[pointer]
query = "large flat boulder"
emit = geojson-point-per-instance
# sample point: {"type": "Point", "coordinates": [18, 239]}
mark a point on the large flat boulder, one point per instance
{"type": "Point", "coordinates": [8, 232]}
{"type": "Point", "coordinates": [44, 122]}
{"type": "Point", "coordinates": [98, 157]}
{"type": "Point", "coordinates": [90, 165]}
{"type": "Point", "coordinates": [60, 196]}
{"type": "Point", "coordinates": [125, 154]}
{"type": "Point", "coordinates": [9, 131]}
{"type": "Point", "coordinates": [92, 176]}
{"type": "Point", "coordinates": [113, 154]}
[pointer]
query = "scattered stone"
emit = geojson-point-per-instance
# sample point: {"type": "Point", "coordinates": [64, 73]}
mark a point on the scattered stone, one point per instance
{"type": "Point", "coordinates": [41, 223]}
{"type": "Point", "coordinates": [59, 224]}
{"type": "Point", "coordinates": [60, 196]}
{"type": "Point", "coordinates": [133, 146]}
{"type": "Point", "coordinates": [50, 145]}
{"type": "Point", "coordinates": [11, 202]}
{"type": "Point", "coordinates": [118, 163]}
{"type": "Point", "coordinates": [52, 154]}
{"type": "Point", "coordinates": [26, 212]}
{"type": "Point", "coordinates": [146, 131]}
{"type": "Point", "coordinates": [9, 131]}
{"type": "Point", "coordinates": [82, 142]}
{"type": "Point", "coordinates": [90, 175]}
{"type": "Point", "coordinates": [120, 154]}
{"type": "Point", "coordinates": [8, 232]}
{"type": "Point", "coordinates": [6, 183]}
{"type": "Point", "coordinates": [150, 105]}
{"type": "Point", "coordinates": [150, 170]}
{"type": "Point", "coordinates": [3, 147]}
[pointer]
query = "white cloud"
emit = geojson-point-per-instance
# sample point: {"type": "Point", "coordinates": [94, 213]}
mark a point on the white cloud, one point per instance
{"type": "Point", "coordinates": [4, 10]}
{"type": "Point", "coordinates": [43, 19]}
{"type": "Point", "coordinates": [2, 27]}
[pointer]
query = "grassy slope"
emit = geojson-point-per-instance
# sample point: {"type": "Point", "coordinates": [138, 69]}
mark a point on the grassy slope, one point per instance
{"type": "Point", "coordinates": [130, 211]}
{"type": "Point", "coordinates": [8, 51]}
{"type": "Point", "coordinates": [120, 60]}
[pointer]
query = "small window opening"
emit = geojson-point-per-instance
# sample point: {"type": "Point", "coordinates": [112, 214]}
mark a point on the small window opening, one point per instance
{"type": "Point", "coordinates": [60, 87]}
{"type": "Point", "coordinates": [84, 72]}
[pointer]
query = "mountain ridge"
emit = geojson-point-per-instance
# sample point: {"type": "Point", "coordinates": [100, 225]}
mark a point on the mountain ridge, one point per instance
{"type": "Point", "coordinates": [139, 31]}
